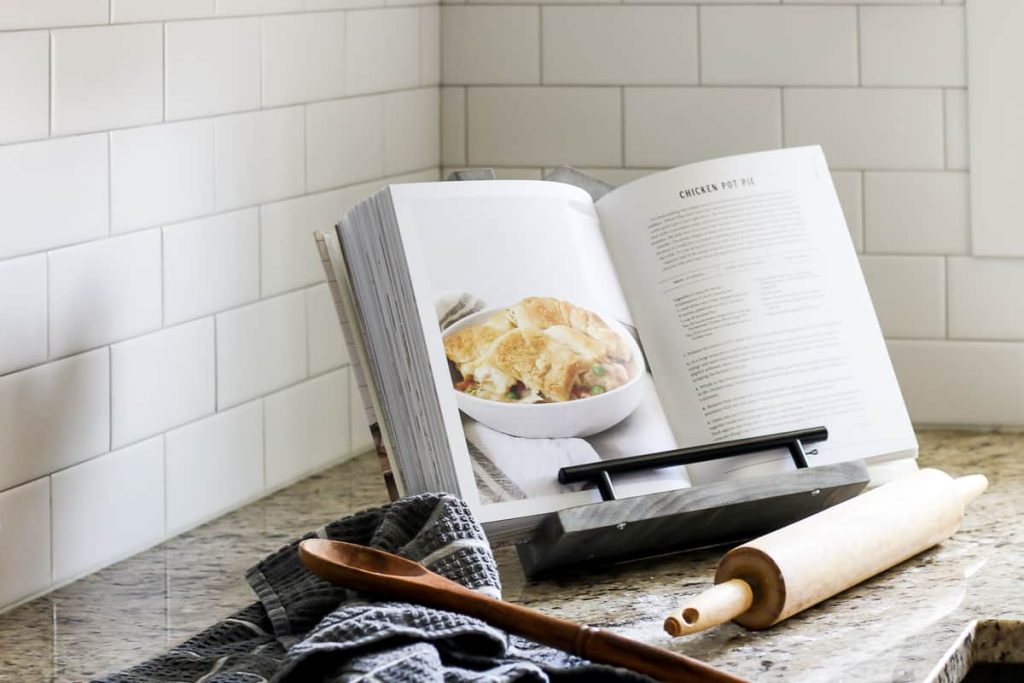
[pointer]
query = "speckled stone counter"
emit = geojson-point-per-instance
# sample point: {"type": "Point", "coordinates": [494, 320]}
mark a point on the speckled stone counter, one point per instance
{"type": "Point", "coordinates": [927, 619]}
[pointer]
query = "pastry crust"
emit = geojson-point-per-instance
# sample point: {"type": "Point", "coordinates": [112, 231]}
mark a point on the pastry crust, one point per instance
{"type": "Point", "coordinates": [540, 349]}
{"type": "Point", "coordinates": [544, 312]}
{"type": "Point", "coordinates": [529, 356]}
{"type": "Point", "coordinates": [473, 342]}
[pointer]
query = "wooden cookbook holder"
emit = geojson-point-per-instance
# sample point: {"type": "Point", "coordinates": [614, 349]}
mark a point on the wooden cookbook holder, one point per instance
{"type": "Point", "coordinates": [725, 512]}
{"type": "Point", "coordinates": [616, 530]}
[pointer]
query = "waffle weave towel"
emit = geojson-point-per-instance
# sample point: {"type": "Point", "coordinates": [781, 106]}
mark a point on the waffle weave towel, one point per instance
{"type": "Point", "coordinates": [305, 629]}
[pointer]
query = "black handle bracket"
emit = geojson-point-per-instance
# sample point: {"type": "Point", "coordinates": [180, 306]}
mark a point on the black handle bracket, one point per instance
{"type": "Point", "coordinates": [600, 472]}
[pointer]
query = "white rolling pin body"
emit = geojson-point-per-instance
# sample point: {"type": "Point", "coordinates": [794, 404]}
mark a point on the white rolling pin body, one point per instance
{"type": "Point", "coordinates": [806, 562]}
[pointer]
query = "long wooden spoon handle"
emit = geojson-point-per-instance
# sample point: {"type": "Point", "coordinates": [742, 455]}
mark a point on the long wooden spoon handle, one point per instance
{"type": "Point", "coordinates": [587, 642]}
{"type": "Point", "coordinates": [657, 662]}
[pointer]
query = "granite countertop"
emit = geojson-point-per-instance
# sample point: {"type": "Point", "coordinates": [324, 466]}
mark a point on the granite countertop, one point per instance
{"type": "Point", "coordinates": [924, 620]}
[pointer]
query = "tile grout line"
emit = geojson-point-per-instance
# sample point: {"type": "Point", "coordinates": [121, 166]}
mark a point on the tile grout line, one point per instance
{"type": "Point", "coordinates": [860, 52]}
{"type": "Point", "coordinates": [163, 280]}
{"type": "Point", "coordinates": [163, 72]}
{"type": "Point", "coordinates": [49, 85]}
{"type": "Point", "coordinates": [700, 59]}
{"type": "Point", "coordinates": [110, 399]}
{"type": "Point", "coordinates": [622, 126]}
{"type": "Point", "coordinates": [863, 212]}
{"type": "Point", "coordinates": [945, 128]}
{"type": "Point", "coordinates": [49, 491]}
{"type": "Point", "coordinates": [945, 282]}
{"type": "Point", "coordinates": [782, 117]}
{"type": "Point", "coordinates": [216, 367]}
{"type": "Point", "coordinates": [163, 452]}
{"type": "Point", "coordinates": [540, 45]}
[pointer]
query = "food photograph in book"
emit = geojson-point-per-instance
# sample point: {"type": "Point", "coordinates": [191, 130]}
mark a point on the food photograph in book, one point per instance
{"type": "Point", "coordinates": [544, 363]}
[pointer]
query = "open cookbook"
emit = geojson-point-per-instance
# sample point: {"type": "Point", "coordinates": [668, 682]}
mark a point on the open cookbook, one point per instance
{"type": "Point", "coordinates": [502, 330]}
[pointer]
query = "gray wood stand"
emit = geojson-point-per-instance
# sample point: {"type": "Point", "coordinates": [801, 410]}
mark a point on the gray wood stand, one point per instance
{"type": "Point", "coordinates": [697, 517]}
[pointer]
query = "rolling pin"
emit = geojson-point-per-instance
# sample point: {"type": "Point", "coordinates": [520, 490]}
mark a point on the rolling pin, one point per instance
{"type": "Point", "coordinates": [771, 578]}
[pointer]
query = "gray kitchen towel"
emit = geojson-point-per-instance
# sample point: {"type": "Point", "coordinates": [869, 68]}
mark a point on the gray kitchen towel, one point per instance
{"type": "Point", "coordinates": [305, 629]}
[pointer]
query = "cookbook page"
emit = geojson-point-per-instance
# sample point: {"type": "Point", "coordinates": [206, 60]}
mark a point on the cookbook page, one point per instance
{"type": "Point", "coordinates": [745, 284]}
{"type": "Point", "coordinates": [533, 347]}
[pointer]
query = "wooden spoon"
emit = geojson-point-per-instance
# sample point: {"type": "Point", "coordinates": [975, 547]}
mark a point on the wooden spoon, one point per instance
{"type": "Point", "coordinates": [375, 571]}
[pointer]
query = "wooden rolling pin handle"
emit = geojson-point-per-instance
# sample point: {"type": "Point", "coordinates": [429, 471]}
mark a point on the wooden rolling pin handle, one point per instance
{"type": "Point", "coordinates": [720, 604]}
{"type": "Point", "coordinates": [970, 487]}
{"type": "Point", "coordinates": [861, 537]}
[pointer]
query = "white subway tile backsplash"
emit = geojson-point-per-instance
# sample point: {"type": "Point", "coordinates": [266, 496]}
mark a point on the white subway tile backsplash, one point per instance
{"type": "Point", "coordinates": [847, 2]}
{"type": "Point", "coordinates": [909, 294]}
{"type": "Point", "coordinates": [104, 291]}
{"type": "Point", "coordinates": [778, 45]}
{"type": "Point", "coordinates": [25, 520]}
{"type": "Point", "coordinates": [107, 77]}
{"type": "Point", "coordinates": [157, 10]}
{"type": "Point", "coordinates": [958, 155]}
{"type": "Point", "coordinates": [985, 299]}
{"type": "Point", "coordinates": [899, 150]}
{"type": "Point", "coordinates": [327, 349]}
{"type": "Point", "coordinates": [214, 465]}
{"type": "Point", "coordinates": [303, 58]}
{"type": "Point", "coordinates": [33, 174]}
{"type": "Point", "coordinates": [260, 348]}
{"type": "Point", "coordinates": [672, 126]}
{"type": "Point", "coordinates": [545, 126]}
{"type": "Point", "coordinates": [210, 265]}
{"type": "Point", "coordinates": [490, 45]}
{"type": "Point", "coordinates": [453, 126]}
{"type": "Point", "coordinates": [24, 73]}
{"type": "Point", "coordinates": [15, 14]}
{"type": "Point", "coordinates": [344, 141]}
{"type": "Point", "coordinates": [306, 427]}
{"type": "Point", "coordinates": [235, 7]}
{"type": "Point", "coordinates": [342, 4]}
{"type": "Point", "coordinates": [849, 189]}
{"type": "Point", "coordinates": [212, 67]}
{"type": "Point", "coordinates": [598, 45]}
{"type": "Point", "coordinates": [148, 76]}
{"type": "Point", "coordinates": [161, 174]}
{"type": "Point", "coordinates": [961, 383]}
{"type": "Point", "coordinates": [868, 128]}
{"type": "Point", "coordinates": [916, 213]}
{"type": "Point", "coordinates": [382, 50]}
{"type": "Point", "coordinates": [913, 46]}
{"type": "Point", "coordinates": [53, 416]}
{"type": "Point", "coordinates": [412, 119]}
{"type": "Point", "coordinates": [430, 45]}
{"type": "Point", "coordinates": [22, 313]}
{"type": "Point", "coordinates": [290, 259]}
{"type": "Point", "coordinates": [996, 109]}
{"type": "Point", "coordinates": [260, 157]}
{"type": "Point", "coordinates": [161, 380]}
{"type": "Point", "coordinates": [122, 494]}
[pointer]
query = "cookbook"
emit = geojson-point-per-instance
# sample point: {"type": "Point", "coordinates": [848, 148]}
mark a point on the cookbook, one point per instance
{"type": "Point", "coordinates": [503, 329]}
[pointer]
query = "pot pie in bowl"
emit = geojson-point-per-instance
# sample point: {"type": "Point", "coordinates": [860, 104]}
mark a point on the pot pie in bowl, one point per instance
{"type": "Point", "coordinates": [544, 368]}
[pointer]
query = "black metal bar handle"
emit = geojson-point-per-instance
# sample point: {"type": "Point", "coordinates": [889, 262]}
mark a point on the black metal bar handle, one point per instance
{"type": "Point", "coordinates": [600, 471]}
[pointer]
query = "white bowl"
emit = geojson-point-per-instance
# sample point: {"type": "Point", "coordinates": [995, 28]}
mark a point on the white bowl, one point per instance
{"type": "Point", "coordinates": [575, 418]}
